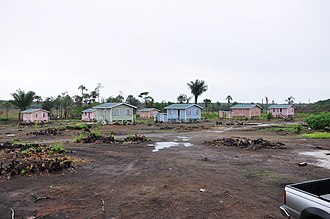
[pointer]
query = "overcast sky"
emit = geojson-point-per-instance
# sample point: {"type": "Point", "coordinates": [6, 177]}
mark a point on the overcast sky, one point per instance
{"type": "Point", "coordinates": [248, 49]}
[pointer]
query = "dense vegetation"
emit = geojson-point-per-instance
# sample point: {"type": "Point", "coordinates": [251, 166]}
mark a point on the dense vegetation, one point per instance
{"type": "Point", "coordinates": [318, 121]}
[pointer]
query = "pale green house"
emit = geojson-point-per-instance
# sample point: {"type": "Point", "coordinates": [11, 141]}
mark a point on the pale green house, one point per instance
{"type": "Point", "coordinates": [115, 112]}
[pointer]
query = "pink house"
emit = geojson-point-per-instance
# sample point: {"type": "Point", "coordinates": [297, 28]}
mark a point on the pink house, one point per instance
{"type": "Point", "coordinates": [148, 113]}
{"type": "Point", "coordinates": [246, 110]}
{"type": "Point", "coordinates": [33, 115]}
{"type": "Point", "coordinates": [88, 115]}
{"type": "Point", "coordinates": [225, 114]}
{"type": "Point", "coordinates": [282, 110]}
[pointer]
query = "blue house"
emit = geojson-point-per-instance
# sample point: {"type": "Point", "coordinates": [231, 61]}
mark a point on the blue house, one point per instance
{"type": "Point", "coordinates": [183, 113]}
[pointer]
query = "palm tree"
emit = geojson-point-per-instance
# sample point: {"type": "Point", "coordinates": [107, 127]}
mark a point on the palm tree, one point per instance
{"type": "Point", "coordinates": [66, 103]}
{"type": "Point", "coordinates": [38, 99]}
{"type": "Point", "coordinates": [229, 98]}
{"type": "Point", "coordinates": [290, 100]}
{"type": "Point", "coordinates": [207, 102]}
{"type": "Point", "coordinates": [22, 100]}
{"type": "Point", "coordinates": [82, 88]}
{"type": "Point", "coordinates": [197, 88]}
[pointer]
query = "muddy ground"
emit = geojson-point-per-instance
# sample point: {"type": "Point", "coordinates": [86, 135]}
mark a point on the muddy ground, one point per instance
{"type": "Point", "coordinates": [188, 180]}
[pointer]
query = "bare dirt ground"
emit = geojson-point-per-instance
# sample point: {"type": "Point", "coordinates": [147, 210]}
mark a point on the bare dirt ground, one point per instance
{"type": "Point", "coordinates": [188, 180]}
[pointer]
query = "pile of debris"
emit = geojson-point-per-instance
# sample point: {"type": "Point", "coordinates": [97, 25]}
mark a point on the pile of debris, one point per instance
{"type": "Point", "coordinates": [49, 131]}
{"type": "Point", "coordinates": [136, 139]}
{"type": "Point", "coordinates": [31, 158]}
{"type": "Point", "coordinates": [253, 144]}
{"type": "Point", "coordinates": [97, 139]}
{"type": "Point", "coordinates": [36, 165]}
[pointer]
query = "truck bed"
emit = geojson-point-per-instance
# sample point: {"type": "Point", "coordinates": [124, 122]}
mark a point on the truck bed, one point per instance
{"type": "Point", "coordinates": [319, 188]}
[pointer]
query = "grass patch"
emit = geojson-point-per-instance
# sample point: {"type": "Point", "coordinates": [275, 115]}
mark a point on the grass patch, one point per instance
{"type": "Point", "coordinates": [294, 128]}
{"type": "Point", "coordinates": [317, 135]}
{"type": "Point", "coordinates": [260, 174]}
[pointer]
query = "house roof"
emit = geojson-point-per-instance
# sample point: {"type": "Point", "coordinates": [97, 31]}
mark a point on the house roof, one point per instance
{"type": "Point", "coordinates": [34, 110]}
{"type": "Point", "coordinates": [182, 106]}
{"type": "Point", "coordinates": [279, 106]}
{"type": "Point", "coordinates": [245, 106]}
{"type": "Point", "coordinates": [112, 105]}
{"type": "Point", "coordinates": [90, 110]}
{"type": "Point", "coordinates": [148, 109]}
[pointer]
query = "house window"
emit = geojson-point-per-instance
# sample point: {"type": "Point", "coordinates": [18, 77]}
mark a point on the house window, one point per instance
{"type": "Point", "coordinates": [43, 115]}
{"type": "Point", "coordinates": [117, 112]}
{"type": "Point", "coordinates": [273, 110]}
{"type": "Point", "coordinates": [188, 111]}
{"type": "Point", "coordinates": [127, 113]}
{"type": "Point", "coordinates": [280, 110]}
{"type": "Point", "coordinates": [36, 114]}
{"type": "Point", "coordinates": [171, 111]}
{"type": "Point", "coordinates": [197, 112]}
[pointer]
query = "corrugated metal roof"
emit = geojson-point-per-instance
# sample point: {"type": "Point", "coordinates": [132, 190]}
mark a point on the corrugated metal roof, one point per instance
{"type": "Point", "coordinates": [111, 105]}
{"type": "Point", "coordinates": [148, 109]}
{"type": "Point", "coordinates": [182, 106]}
{"type": "Point", "coordinates": [89, 110]}
{"type": "Point", "coordinates": [279, 106]}
{"type": "Point", "coordinates": [33, 110]}
{"type": "Point", "coordinates": [245, 106]}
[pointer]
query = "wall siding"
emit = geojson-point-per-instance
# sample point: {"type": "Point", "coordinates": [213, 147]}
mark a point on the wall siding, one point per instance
{"type": "Point", "coordinates": [184, 115]}
{"type": "Point", "coordinates": [35, 116]}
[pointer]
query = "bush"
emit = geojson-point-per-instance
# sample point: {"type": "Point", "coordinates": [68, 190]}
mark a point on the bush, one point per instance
{"type": "Point", "coordinates": [318, 121]}
{"type": "Point", "coordinates": [269, 116]}
{"type": "Point", "coordinates": [57, 148]}
{"type": "Point", "coordinates": [208, 115]}
{"type": "Point", "coordinates": [297, 129]}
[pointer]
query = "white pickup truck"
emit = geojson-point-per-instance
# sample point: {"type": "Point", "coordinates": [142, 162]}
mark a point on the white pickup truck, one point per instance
{"type": "Point", "coordinates": [307, 200]}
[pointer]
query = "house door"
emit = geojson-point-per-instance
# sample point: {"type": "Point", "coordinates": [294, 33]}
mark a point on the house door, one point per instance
{"type": "Point", "coordinates": [178, 114]}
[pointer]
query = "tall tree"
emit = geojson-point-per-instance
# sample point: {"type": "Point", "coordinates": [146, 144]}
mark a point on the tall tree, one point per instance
{"type": "Point", "coordinates": [144, 96]}
{"type": "Point", "coordinates": [197, 88]}
{"type": "Point", "coordinates": [48, 104]}
{"type": "Point", "coordinates": [82, 88]}
{"type": "Point", "coordinates": [229, 99]}
{"type": "Point", "coordinates": [38, 99]}
{"type": "Point", "coordinates": [97, 90]}
{"type": "Point", "coordinates": [66, 103]}
{"type": "Point", "coordinates": [182, 98]}
{"type": "Point", "coordinates": [22, 100]}
{"type": "Point", "coordinates": [132, 100]}
{"type": "Point", "coordinates": [290, 100]}
{"type": "Point", "coordinates": [207, 102]}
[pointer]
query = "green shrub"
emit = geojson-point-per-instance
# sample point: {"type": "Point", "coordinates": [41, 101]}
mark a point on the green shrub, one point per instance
{"type": "Point", "coordinates": [317, 135]}
{"type": "Point", "coordinates": [210, 115]}
{"type": "Point", "coordinates": [269, 116]}
{"type": "Point", "coordinates": [80, 137]}
{"type": "Point", "coordinates": [57, 148]}
{"type": "Point", "coordinates": [318, 121]}
{"type": "Point", "coordinates": [96, 132]}
{"type": "Point", "coordinates": [297, 129]}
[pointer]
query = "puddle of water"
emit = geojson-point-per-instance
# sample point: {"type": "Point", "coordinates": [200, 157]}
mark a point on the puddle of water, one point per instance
{"type": "Point", "coordinates": [167, 144]}
{"type": "Point", "coordinates": [183, 138]}
{"type": "Point", "coordinates": [323, 160]}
